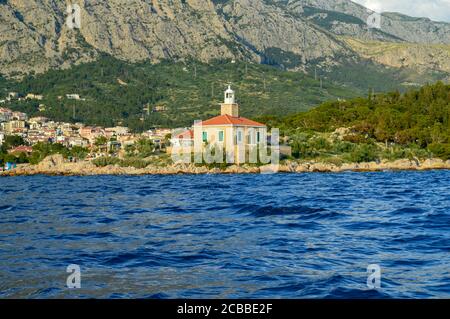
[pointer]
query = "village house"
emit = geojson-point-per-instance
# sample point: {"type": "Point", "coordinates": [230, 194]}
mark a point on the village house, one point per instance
{"type": "Point", "coordinates": [12, 96]}
{"type": "Point", "coordinates": [160, 108]}
{"type": "Point", "coordinates": [27, 150]}
{"type": "Point", "coordinates": [14, 126]}
{"type": "Point", "coordinates": [77, 141]}
{"type": "Point", "coordinates": [49, 131]}
{"type": "Point", "coordinates": [2, 138]}
{"type": "Point", "coordinates": [31, 96]}
{"type": "Point", "coordinates": [117, 131]}
{"type": "Point", "coordinates": [68, 130]}
{"type": "Point", "coordinates": [5, 114]}
{"type": "Point", "coordinates": [73, 96]}
{"type": "Point", "coordinates": [36, 122]}
{"type": "Point", "coordinates": [162, 132]}
{"type": "Point", "coordinates": [129, 139]}
{"type": "Point", "coordinates": [183, 139]}
{"type": "Point", "coordinates": [91, 133]}
{"type": "Point", "coordinates": [19, 116]}
{"type": "Point", "coordinates": [158, 136]}
{"type": "Point", "coordinates": [36, 136]}
{"type": "Point", "coordinates": [60, 139]}
{"type": "Point", "coordinates": [229, 131]}
{"type": "Point", "coordinates": [150, 134]}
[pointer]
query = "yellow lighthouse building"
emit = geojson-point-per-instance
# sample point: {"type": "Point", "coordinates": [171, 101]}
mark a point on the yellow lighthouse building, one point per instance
{"type": "Point", "coordinates": [229, 131]}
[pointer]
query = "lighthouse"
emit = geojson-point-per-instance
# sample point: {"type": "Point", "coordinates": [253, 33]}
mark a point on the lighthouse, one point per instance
{"type": "Point", "coordinates": [229, 105]}
{"type": "Point", "coordinates": [233, 133]}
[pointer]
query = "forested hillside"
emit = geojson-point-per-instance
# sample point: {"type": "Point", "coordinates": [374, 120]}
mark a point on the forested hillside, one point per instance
{"type": "Point", "coordinates": [116, 92]}
{"type": "Point", "coordinates": [417, 120]}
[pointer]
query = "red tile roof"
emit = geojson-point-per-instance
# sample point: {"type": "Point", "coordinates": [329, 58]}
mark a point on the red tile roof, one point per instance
{"type": "Point", "coordinates": [21, 149]}
{"type": "Point", "coordinates": [189, 134]}
{"type": "Point", "coordinates": [230, 120]}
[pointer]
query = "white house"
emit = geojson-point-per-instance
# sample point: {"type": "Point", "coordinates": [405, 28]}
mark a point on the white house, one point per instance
{"type": "Point", "coordinates": [73, 96]}
{"type": "Point", "coordinates": [31, 96]}
{"type": "Point", "coordinates": [184, 139]}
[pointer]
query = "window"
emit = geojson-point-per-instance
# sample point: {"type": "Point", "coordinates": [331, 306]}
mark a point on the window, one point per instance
{"type": "Point", "coordinates": [251, 137]}
{"type": "Point", "coordinates": [239, 136]}
{"type": "Point", "coordinates": [221, 136]}
{"type": "Point", "coordinates": [205, 136]}
{"type": "Point", "coordinates": [258, 137]}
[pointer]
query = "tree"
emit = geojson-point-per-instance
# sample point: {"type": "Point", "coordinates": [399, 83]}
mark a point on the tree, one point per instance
{"type": "Point", "coordinates": [100, 141]}
{"type": "Point", "coordinates": [13, 141]}
{"type": "Point", "coordinates": [145, 147]}
{"type": "Point", "coordinates": [79, 152]}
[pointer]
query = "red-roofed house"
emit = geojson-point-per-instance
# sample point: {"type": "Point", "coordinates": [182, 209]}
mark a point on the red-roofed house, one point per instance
{"type": "Point", "coordinates": [184, 139]}
{"type": "Point", "coordinates": [229, 130]}
{"type": "Point", "coordinates": [21, 149]}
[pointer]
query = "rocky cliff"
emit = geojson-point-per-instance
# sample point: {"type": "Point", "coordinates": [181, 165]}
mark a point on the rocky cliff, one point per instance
{"type": "Point", "coordinates": [56, 165]}
{"type": "Point", "coordinates": [34, 36]}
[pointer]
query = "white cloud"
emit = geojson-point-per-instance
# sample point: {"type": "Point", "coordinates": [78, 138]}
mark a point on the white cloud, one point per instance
{"type": "Point", "coordinates": [438, 10]}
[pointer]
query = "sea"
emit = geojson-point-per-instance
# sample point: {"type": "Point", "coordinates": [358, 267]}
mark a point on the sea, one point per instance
{"type": "Point", "coordinates": [313, 235]}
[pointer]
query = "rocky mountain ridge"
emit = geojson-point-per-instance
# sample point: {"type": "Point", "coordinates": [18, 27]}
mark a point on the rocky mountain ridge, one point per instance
{"type": "Point", "coordinates": [292, 34]}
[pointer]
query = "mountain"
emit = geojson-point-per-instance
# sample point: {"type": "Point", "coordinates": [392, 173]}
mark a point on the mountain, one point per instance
{"type": "Point", "coordinates": [321, 41]}
{"type": "Point", "coordinates": [344, 17]}
{"type": "Point", "coordinates": [294, 34]}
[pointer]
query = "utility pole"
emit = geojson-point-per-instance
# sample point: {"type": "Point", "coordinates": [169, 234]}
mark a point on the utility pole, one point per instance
{"type": "Point", "coordinates": [73, 111]}
{"type": "Point", "coordinates": [264, 80]}
{"type": "Point", "coordinates": [321, 83]}
{"type": "Point", "coordinates": [212, 90]}
{"type": "Point", "coordinates": [195, 71]}
{"type": "Point", "coordinates": [246, 68]}
{"type": "Point", "coordinates": [315, 73]}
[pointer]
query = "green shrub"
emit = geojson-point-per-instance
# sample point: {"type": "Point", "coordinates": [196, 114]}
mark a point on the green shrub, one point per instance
{"type": "Point", "coordinates": [440, 150]}
{"type": "Point", "coordinates": [105, 161]}
{"type": "Point", "coordinates": [396, 153]}
{"type": "Point", "coordinates": [320, 144]}
{"type": "Point", "coordinates": [333, 160]}
{"type": "Point", "coordinates": [132, 162]}
{"type": "Point", "coordinates": [343, 147]}
{"type": "Point", "coordinates": [364, 153]}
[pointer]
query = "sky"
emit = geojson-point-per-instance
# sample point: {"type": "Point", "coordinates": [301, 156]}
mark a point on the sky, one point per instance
{"type": "Point", "coordinates": [438, 10]}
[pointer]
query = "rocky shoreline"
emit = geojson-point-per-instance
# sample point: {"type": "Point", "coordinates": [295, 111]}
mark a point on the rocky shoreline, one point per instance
{"type": "Point", "coordinates": [56, 165]}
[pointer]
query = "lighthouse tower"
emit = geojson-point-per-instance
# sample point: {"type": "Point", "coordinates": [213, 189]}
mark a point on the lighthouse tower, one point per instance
{"type": "Point", "coordinates": [229, 106]}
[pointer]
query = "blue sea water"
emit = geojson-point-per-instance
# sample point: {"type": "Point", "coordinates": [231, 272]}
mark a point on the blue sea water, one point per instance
{"type": "Point", "coordinates": [226, 236]}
